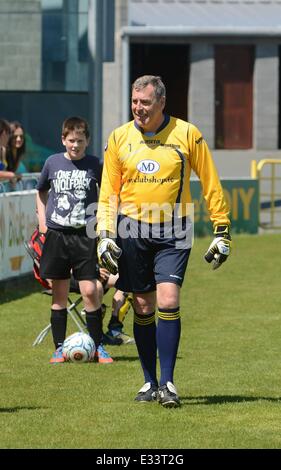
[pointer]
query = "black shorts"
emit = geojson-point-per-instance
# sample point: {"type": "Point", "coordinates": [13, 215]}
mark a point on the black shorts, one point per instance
{"type": "Point", "coordinates": [146, 262]}
{"type": "Point", "coordinates": [66, 252]}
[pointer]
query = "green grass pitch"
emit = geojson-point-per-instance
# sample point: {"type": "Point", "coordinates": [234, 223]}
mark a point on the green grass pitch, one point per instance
{"type": "Point", "coordinates": [228, 371]}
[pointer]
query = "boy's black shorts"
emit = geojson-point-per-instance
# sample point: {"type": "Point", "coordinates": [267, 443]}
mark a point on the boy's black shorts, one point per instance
{"type": "Point", "coordinates": [68, 251]}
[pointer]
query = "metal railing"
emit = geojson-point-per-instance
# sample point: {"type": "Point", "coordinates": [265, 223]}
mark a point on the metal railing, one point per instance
{"type": "Point", "coordinates": [268, 172]}
{"type": "Point", "coordinates": [27, 181]}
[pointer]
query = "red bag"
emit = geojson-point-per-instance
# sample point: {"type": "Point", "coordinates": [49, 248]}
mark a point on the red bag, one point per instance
{"type": "Point", "coordinates": [34, 248]}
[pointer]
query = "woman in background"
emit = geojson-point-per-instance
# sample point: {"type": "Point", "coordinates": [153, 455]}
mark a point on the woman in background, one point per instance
{"type": "Point", "coordinates": [4, 138]}
{"type": "Point", "coordinates": [16, 148]}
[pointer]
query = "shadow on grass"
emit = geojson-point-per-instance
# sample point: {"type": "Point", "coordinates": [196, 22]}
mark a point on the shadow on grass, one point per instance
{"type": "Point", "coordinates": [125, 358]}
{"type": "Point", "coordinates": [16, 409]}
{"type": "Point", "coordinates": [128, 358]}
{"type": "Point", "coordinates": [15, 289]}
{"type": "Point", "coordinates": [222, 399]}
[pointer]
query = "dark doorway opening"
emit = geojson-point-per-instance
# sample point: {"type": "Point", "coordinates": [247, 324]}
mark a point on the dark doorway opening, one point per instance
{"type": "Point", "coordinates": [171, 62]}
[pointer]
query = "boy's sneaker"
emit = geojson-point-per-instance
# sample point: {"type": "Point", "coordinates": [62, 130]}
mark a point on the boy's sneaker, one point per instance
{"type": "Point", "coordinates": [126, 339]}
{"type": "Point", "coordinates": [57, 356]}
{"type": "Point", "coordinates": [149, 392]}
{"type": "Point", "coordinates": [102, 356]}
{"type": "Point", "coordinates": [107, 338]}
{"type": "Point", "coordinates": [167, 396]}
{"type": "Point", "coordinates": [116, 336]}
{"type": "Point", "coordinates": [115, 330]}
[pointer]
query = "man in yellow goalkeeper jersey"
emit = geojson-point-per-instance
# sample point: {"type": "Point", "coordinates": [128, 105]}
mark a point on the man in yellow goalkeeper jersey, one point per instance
{"type": "Point", "coordinates": [145, 224]}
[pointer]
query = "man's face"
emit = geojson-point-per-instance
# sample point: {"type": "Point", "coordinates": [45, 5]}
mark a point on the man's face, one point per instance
{"type": "Point", "coordinates": [146, 110]}
{"type": "Point", "coordinates": [75, 144]}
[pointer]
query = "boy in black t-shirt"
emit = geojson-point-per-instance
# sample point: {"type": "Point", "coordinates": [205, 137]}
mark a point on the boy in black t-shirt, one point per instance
{"type": "Point", "coordinates": [66, 187]}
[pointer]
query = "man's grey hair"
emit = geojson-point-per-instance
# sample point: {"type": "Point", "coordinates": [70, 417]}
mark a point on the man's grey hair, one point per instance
{"type": "Point", "coordinates": [155, 81]}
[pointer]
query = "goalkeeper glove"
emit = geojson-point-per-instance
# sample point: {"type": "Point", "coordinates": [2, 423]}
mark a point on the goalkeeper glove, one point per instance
{"type": "Point", "coordinates": [108, 253]}
{"type": "Point", "coordinates": [220, 247]}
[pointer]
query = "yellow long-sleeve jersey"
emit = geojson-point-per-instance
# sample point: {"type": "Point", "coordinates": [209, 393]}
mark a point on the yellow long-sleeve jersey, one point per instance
{"type": "Point", "coordinates": [148, 176]}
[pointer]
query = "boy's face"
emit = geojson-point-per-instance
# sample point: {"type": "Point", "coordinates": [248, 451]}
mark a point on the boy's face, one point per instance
{"type": "Point", "coordinates": [75, 144]}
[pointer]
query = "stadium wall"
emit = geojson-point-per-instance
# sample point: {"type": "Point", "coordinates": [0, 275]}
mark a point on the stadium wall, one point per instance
{"type": "Point", "coordinates": [17, 222]}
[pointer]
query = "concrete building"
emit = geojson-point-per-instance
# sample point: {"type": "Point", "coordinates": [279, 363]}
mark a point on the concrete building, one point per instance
{"type": "Point", "coordinates": [220, 60]}
{"type": "Point", "coordinates": [20, 45]}
{"type": "Point", "coordinates": [231, 61]}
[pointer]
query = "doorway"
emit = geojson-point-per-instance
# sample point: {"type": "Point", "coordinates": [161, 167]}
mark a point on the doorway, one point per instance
{"type": "Point", "coordinates": [171, 62]}
{"type": "Point", "coordinates": [234, 96]}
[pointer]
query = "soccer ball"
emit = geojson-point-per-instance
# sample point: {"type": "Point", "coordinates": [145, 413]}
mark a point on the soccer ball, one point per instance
{"type": "Point", "coordinates": [78, 347]}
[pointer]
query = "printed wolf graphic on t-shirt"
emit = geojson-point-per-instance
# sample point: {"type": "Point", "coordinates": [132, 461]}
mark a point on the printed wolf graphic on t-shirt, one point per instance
{"type": "Point", "coordinates": [70, 196]}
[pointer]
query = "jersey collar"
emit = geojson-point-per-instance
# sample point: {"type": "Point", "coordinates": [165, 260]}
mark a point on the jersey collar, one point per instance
{"type": "Point", "coordinates": [151, 134]}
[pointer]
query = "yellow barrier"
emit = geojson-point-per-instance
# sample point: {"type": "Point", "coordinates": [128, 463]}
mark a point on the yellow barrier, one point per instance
{"type": "Point", "coordinates": [268, 172]}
